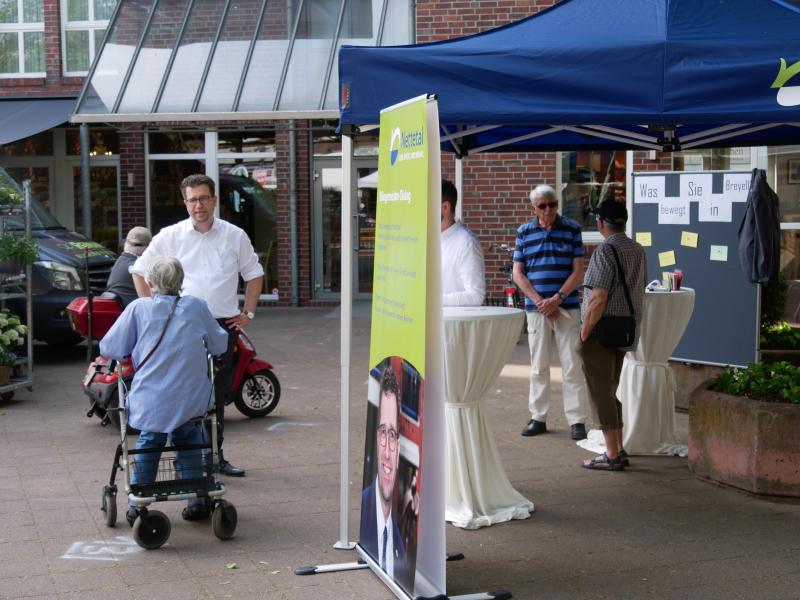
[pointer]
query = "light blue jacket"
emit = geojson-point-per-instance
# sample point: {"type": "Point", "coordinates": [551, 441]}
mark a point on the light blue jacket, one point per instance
{"type": "Point", "coordinates": [173, 386]}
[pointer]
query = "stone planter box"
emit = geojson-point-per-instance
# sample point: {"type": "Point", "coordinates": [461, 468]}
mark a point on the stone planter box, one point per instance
{"type": "Point", "coordinates": [750, 445]}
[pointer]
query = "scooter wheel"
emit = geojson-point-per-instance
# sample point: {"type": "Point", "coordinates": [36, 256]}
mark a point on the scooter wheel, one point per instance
{"type": "Point", "coordinates": [151, 529]}
{"type": "Point", "coordinates": [259, 394]}
{"type": "Point", "coordinates": [224, 520]}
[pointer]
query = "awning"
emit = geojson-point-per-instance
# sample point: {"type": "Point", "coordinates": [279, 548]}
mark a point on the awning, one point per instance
{"type": "Point", "coordinates": [23, 118]}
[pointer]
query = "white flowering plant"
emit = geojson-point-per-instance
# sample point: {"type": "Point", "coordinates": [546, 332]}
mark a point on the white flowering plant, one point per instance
{"type": "Point", "coordinates": [12, 333]}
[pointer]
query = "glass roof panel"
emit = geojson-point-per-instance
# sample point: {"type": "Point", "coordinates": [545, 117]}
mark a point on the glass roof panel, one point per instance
{"type": "Point", "coordinates": [269, 54]}
{"type": "Point", "coordinates": [229, 56]}
{"type": "Point", "coordinates": [153, 57]}
{"type": "Point", "coordinates": [360, 27]}
{"type": "Point", "coordinates": [310, 54]}
{"type": "Point", "coordinates": [191, 57]}
{"type": "Point", "coordinates": [114, 58]}
{"type": "Point", "coordinates": [274, 81]}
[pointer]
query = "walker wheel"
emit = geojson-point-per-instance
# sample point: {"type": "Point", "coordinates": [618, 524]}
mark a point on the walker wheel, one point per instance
{"type": "Point", "coordinates": [151, 529]}
{"type": "Point", "coordinates": [109, 507]}
{"type": "Point", "coordinates": [224, 520]}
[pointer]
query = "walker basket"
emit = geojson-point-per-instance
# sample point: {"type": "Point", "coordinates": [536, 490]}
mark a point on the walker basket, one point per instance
{"type": "Point", "coordinates": [178, 470]}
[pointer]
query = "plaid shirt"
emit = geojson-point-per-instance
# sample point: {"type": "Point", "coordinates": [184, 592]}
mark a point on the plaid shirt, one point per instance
{"type": "Point", "coordinates": [602, 273]}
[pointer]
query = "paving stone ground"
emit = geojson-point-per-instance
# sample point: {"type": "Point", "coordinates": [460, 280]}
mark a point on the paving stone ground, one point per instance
{"type": "Point", "coordinates": [653, 531]}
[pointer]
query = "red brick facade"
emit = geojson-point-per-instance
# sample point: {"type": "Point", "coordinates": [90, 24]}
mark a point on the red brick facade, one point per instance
{"type": "Point", "coordinates": [496, 186]}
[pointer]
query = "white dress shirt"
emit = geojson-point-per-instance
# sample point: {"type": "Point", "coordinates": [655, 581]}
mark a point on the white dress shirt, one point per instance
{"type": "Point", "coordinates": [463, 281]}
{"type": "Point", "coordinates": [211, 262]}
{"type": "Point", "coordinates": [389, 525]}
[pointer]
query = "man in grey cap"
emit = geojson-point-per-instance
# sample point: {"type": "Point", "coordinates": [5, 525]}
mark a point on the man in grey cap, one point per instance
{"type": "Point", "coordinates": [120, 281]}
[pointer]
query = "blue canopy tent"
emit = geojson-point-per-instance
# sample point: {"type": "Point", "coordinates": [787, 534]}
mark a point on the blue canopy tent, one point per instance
{"type": "Point", "coordinates": [584, 74]}
{"type": "Point", "coordinates": [652, 74]}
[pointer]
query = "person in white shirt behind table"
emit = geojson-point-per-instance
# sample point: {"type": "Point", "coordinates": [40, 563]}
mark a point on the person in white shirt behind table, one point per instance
{"type": "Point", "coordinates": [213, 253]}
{"type": "Point", "coordinates": [463, 281]}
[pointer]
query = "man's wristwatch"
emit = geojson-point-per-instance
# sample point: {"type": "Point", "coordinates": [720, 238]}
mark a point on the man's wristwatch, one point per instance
{"type": "Point", "coordinates": [562, 295]}
{"type": "Point", "coordinates": [249, 315]}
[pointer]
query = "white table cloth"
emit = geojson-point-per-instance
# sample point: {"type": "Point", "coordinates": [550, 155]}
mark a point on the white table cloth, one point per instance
{"type": "Point", "coordinates": [647, 386]}
{"type": "Point", "coordinates": [478, 341]}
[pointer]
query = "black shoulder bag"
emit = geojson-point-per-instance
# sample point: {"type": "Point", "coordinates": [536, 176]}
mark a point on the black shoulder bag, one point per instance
{"type": "Point", "coordinates": [617, 332]}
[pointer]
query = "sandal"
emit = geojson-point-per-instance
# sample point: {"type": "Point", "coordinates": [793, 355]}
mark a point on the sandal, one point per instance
{"type": "Point", "coordinates": [604, 463]}
{"type": "Point", "coordinates": [623, 458]}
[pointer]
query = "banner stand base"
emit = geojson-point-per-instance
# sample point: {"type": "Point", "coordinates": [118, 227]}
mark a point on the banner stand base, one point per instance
{"type": "Point", "coordinates": [340, 545]}
{"type": "Point", "coordinates": [366, 562]}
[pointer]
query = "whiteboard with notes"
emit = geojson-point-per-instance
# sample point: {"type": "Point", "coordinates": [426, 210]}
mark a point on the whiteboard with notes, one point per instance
{"type": "Point", "coordinates": [690, 221]}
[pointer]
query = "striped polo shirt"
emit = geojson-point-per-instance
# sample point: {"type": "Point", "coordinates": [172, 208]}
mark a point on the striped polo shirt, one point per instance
{"type": "Point", "coordinates": [548, 257]}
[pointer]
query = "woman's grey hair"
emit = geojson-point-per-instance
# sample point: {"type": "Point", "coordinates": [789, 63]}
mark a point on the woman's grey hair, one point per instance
{"type": "Point", "coordinates": [543, 191]}
{"type": "Point", "coordinates": [165, 274]}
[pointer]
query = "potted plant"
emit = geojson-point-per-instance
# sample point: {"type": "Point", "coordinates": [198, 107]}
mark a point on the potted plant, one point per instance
{"type": "Point", "coordinates": [6, 365]}
{"type": "Point", "coordinates": [778, 340]}
{"type": "Point", "coordinates": [11, 198]}
{"type": "Point", "coordinates": [744, 429]}
{"type": "Point", "coordinates": [16, 251]}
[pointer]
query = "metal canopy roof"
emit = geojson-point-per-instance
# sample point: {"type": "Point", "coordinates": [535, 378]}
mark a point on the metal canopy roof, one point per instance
{"type": "Point", "coordinates": [226, 60]}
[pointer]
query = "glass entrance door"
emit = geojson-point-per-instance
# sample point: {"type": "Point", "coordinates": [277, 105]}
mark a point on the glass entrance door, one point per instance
{"type": "Point", "coordinates": [328, 227]}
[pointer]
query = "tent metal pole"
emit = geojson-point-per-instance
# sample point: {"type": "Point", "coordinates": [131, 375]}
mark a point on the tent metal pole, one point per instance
{"type": "Point", "coordinates": [459, 186]}
{"type": "Point", "coordinates": [346, 342]}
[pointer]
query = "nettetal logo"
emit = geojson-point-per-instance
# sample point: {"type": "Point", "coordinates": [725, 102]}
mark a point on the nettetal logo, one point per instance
{"type": "Point", "coordinates": [406, 145]}
{"type": "Point", "coordinates": [394, 145]}
{"type": "Point", "coordinates": [788, 95]}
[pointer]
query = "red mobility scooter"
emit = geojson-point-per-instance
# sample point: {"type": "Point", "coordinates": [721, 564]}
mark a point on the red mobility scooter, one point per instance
{"type": "Point", "coordinates": [255, 388]}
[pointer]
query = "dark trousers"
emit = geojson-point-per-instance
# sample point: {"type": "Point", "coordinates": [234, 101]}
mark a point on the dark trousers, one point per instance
{"type": "Point", "coordinates": [602, 367]}
{"type": "Point", "coordinates": [223, 375]}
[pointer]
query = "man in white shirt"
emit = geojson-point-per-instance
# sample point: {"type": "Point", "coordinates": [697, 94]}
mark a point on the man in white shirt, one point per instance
{"type": "Point", "coordinates": [463, 281]}
{"type": "Point", "coordinates": [213, 253]}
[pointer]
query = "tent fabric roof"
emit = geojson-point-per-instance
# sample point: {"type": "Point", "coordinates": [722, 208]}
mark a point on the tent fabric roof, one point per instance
{"type": "Point", "coordinates": [23, 118]}
{"type": "Point", "coordinates": [589, 73]}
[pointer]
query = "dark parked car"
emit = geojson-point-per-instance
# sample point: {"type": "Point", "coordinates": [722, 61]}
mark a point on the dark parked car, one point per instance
{"type": "Point", "coordinates": [59, 274]}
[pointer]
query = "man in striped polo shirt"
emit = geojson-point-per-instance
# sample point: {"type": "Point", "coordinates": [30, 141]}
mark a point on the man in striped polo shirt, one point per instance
{"type": "Point", "coordinates": [548, 268]}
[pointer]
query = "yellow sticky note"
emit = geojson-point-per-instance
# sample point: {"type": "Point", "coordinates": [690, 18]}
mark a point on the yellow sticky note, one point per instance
{"type": "Point", "coordinates": [688, 239]}
{"type": "Point", "coordinates": [645, 238]}
{"type": "Point", "coordinates": [666, 259]}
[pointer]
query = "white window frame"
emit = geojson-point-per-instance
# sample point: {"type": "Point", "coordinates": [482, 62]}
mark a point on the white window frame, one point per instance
{"type": "Point", "coordinates": [21, 29]}
{"type": "Point", "coordinates": [90, 25]}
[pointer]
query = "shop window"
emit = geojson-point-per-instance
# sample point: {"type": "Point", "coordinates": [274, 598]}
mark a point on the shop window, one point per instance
{"type": "Point", "coordinates": [166, 202]}
{"type": "Point", "coordinates": [248, 199]}
{"type": "Point", "coordinates": [588, 178]}
{"type": "Point", "coordinates": [40, 144]}
{"type": "Point", "coordinates": [40, 182]}
{"type": "Point", "coordinates": [22, 38]}
{"type": "Point", "coordinates": [103, 142]}
{"type": "Point", "coordinates": [246, 141]}
{"type": "Point", "coordinates": [712, 159]}
{"type": "Point", "coordinates": [177, 142]}
{"type": "Point", "coordinates": [84, 23]}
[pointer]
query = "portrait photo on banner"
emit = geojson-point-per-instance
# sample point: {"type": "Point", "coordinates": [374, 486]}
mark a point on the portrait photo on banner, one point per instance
{"type": "Point", "coordinates": [391, 484]}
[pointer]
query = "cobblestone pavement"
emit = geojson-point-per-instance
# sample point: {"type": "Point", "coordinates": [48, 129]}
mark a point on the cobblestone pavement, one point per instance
{"type": "Point", "coordinates": [650, 532]}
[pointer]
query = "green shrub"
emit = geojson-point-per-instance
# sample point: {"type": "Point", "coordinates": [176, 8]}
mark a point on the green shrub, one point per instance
{"type": "Point", "coordinates": [779, 335]}
{"type": "Point", "coordinates": [770, 382]}
{"type": "Point", "coordinates": [19, 247]}
{"type": "Point", "coordinates": [774, 297]}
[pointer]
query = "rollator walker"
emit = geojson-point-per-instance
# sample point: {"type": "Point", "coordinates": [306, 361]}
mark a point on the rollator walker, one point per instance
{"type": "Point", "coordinates": [180, 473]}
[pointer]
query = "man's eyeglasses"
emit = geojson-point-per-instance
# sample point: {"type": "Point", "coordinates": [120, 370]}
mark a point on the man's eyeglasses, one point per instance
{"type": "Point", "coordinates": [390, 434]}
{"type": "Point", "coordinates": [203, 199]}
{"type": "Point", "coordinates": [544, 205]}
